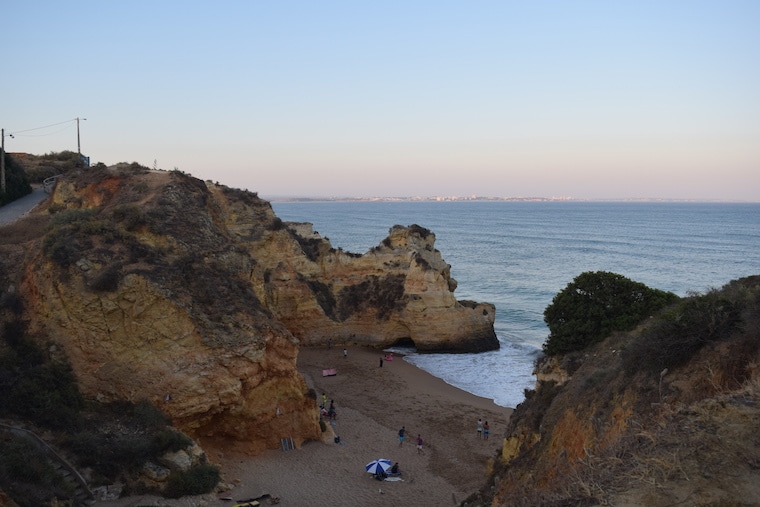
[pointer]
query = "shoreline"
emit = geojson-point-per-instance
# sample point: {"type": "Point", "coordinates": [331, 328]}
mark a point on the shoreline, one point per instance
{"type": "Point", "coordinates": [372, 403]}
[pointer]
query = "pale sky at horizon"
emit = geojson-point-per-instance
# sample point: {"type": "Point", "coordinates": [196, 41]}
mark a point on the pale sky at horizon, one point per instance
{"type": "Point", "coordinates": [586, 99]}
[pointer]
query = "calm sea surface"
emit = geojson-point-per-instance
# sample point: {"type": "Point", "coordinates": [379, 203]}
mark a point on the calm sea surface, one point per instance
{"type": "Point", "coordinates": [518, 255]}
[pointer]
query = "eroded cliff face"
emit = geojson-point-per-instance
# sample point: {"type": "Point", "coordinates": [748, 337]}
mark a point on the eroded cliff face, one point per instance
{"type": "Point", "coordinates": [196, 297]}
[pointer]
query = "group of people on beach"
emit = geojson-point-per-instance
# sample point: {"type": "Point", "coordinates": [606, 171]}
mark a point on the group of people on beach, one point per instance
{"type": "Point", "coordinates": [402, 437]}
{"type": "Point", "coordinates": [324, 411]}
{"type": "Point", "coordinates": [483, 429]}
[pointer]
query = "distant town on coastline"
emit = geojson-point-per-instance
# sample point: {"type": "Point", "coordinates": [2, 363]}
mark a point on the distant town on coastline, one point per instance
{"type": "Point", "coordinates": [475, 198]}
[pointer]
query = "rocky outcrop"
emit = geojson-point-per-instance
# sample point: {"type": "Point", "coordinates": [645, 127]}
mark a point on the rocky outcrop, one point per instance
{"type": "Point", "coordinates": [657, 416]}
{"type": "Point", "coordinates": [196, 297]}
{"type": "Point", "coordinates": [399, 292]}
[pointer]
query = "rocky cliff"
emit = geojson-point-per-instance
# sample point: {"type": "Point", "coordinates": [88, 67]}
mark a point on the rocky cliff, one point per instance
{"type": "Point", "coordinates": [158, 286]}
{"type": "Point", "coordinates": [667, 414]}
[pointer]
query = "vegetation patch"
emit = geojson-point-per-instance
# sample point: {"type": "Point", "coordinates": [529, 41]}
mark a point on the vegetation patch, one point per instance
{"type": "Point", "coordinates": [40, 167]}
{"type": "Point", "coordinates": [27, 475]}
{"type": "Point", "coordinates": [594, 305]}
{"type": "Point", "coordinates": [196, 481]}
{"type": "Point", "coordinates": [35, 387]}
{"type": "Point", "coordinates": [324, 296]}
{"type": "Point", "coordinates": [694, 322]}
{"type": "Point", "coordinates": [16, 182]}
{"type": "Point", "coordinates": [383, 294]}
{"type": "Point", "coordinates": [311, 247]}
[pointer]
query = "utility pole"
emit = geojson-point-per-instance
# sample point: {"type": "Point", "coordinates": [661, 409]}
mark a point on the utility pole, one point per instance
{"type": "Point", "coordinates": [79, 149]}
{"type": "Point", "coordinates": [2, 160]}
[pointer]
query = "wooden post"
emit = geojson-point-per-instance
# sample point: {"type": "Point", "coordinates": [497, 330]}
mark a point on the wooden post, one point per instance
{"type": "Point", "coordinates": [2, 161]}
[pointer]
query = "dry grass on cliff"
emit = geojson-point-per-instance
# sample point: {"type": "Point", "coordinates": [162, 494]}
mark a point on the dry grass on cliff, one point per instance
{"type": "Point", "coordinates": [21, 231]}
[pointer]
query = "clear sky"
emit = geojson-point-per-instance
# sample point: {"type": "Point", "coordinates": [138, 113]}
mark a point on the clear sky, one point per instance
{"type": "Point", "coordinates": [588, 99]}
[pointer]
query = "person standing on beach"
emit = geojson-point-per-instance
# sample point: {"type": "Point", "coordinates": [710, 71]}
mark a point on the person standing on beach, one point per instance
{"type": "Point", "coordinates": [381, 361]}
{"type": "Point", "coordinates": [419, 444]}
{"type": "Point", "coordinates": [324, 400]}
{"type": "Point", "coordinates": [401, 434]}
{"type": "Point", "coordinates": [486, 429]}
{"type": "Point", "coordinates": [345, 353]}
{"type": "Point", "coordinates": [480, 428]}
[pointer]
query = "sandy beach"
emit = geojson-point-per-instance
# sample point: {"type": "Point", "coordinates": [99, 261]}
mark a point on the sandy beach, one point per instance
{"type": "Point", "coordinates": [372, 404]}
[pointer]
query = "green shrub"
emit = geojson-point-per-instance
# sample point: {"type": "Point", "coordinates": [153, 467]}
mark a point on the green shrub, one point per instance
{"type": "Point", "coordinates": [684, 329]}
{"type": "Point", "coordinates": [39, 167]}
{"type": "Point", "coordinates": [382, 294]}
{"type": "Point", "coordinates": [170, 440]}
{"type": "Point", "coordinates": [16, 182]}
{"type": "Point", "coordinates": [34, 387]}
{"type": "Point", "coordinates": [110, 454]}
{"type": "Point", "coordinates": [244, 196]}
{"type": "Point", "coordinates": [148, 415]}
{"type": "Point", "coordinates": [594, 305]}
{"type": "Point", "coordinates": [63, 247]}
{"type": "Point", "coordinates": [129, 215]}
{"type": "Point", "coordinates": [311, 247]}
{"type": "Point", "coordinates": [196, 481]}
{"type": "Point", "coordinates": [27, 476]}
{"type": "Point", "coordinates": [276, 225]}
{"type": "Point", "coordinates": [48, 395]}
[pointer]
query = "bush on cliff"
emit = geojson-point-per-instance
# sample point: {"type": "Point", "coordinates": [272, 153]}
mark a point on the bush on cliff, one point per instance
{"type": "Point", "coordinates": [27, 475]}
{"type": "Point", "coordinates": [384, 295]}
{"type": "Point", "coordinates": [35, 387]}
{"type": "Point", "coordinates": [39, 167]}
{"type": "Point", "coordinates": [696, 321]}
{"type": "Point", "coordinates": [196, 481]}
{"type": "Point", "coordinates": [594, 305]}
{"type": "Point", "coordinates": [16, 182]}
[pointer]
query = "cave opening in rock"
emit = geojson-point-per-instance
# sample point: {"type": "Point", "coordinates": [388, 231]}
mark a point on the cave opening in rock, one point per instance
{"type": "Point", "coordinates": [405, 342]}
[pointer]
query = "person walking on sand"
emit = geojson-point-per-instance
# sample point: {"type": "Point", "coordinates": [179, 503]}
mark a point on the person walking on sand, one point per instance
{"type": "Point", "coordinates": [331, 412]}
{"type": "Point", "coordinates": [419, 444]}
{"type": "Point", "coordinates": [486, 429]}
{"type": "Point", "coordinates": [381, 361]}
{"type": "Point", "coordinates": [480, 428]}
{"type": "Point", "coordinates": [345, 353]}
{"type": "Point", "coordinates": [401, 434]}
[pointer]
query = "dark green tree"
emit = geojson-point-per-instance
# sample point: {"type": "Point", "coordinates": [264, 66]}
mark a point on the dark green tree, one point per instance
{"type": "Point", "coordinates": [16, 183]}
{"type": "Point", "coordinates": [594, 305]}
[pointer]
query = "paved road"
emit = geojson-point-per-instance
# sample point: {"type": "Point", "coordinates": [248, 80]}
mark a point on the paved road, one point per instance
{"type": "Point", "coordinates": [20, 207]}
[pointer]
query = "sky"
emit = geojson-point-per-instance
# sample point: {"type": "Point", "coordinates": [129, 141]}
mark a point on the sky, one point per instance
{"type": "Point", "coordinates": [589, 99]}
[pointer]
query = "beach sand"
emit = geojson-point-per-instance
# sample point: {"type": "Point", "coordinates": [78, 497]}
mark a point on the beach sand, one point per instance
{"type": "Point", "coordinates": [372, 404]}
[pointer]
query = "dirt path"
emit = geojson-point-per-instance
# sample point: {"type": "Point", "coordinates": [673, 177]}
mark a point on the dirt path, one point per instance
{"type": "Point", "coordinates": [20, 207]}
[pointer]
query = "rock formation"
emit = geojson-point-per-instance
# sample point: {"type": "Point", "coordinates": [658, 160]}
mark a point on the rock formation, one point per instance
{"type": "Point", "coordinates": [158, 286]}
{"type": "Point", "coordinates": [663, 415]}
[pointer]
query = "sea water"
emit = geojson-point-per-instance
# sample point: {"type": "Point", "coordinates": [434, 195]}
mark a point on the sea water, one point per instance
{"type": "Point", "coordinates": [519, 255]}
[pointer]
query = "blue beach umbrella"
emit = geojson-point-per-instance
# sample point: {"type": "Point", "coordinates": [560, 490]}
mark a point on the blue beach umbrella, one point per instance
{"type": "Point", "coordinates": [378, 466]}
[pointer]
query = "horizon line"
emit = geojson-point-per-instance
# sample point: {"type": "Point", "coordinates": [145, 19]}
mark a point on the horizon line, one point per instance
{"type": "Point", "coordinates": [434, 198]}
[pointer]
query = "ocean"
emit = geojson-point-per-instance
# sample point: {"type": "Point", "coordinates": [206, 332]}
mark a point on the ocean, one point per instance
{"type": "Point", "coordinates": [518, 255]}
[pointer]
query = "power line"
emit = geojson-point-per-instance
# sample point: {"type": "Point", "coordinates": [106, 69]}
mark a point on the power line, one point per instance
{"type": "Point", "coordinates": [41, 135]}
{"type": "Point", "coordinates": [44, 127]}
